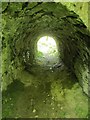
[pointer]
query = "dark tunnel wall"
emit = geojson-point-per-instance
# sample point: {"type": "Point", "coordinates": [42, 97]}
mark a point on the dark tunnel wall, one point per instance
{"type": "Point", "coordinates": [24, 23]}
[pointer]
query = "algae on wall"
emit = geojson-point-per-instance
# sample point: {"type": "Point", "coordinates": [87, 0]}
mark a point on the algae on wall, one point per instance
{"type": "Point", "coordinates": [29, 21]}
{"type": "Point", "coordinates": [23, 24]}
{"type": "Point", "coordinates": [80, 8]}
{"type": "Point", "coordinates": [82, 70]}
{"type": "Point", "coordinates": [9, 26]}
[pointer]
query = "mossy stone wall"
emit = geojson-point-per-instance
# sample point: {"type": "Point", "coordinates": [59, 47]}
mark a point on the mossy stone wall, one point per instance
{"type": "Point", "coordinates": [24, 23]}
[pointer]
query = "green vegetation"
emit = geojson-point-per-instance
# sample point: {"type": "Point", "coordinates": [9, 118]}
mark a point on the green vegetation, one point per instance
{"type": "Point", "coordinates": [47, 51]}
{"type": "Point", "coordinates": [37, 84]}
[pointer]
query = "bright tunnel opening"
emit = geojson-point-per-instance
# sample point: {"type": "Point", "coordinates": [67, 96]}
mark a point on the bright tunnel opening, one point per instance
{"type": "Point", "coordinates": [47, 51]}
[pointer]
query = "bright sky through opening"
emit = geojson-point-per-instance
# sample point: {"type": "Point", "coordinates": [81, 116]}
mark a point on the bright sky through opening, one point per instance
{"type": "Point", "coordinates": [46, 45]}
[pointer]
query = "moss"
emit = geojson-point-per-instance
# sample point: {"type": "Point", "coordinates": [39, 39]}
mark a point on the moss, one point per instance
{"type": "Point", "coordinates": [83, 75]}
{"type": "Point", "coordinates": [49, 91]}
{"type": "Point", "coordinates": [81, 8]}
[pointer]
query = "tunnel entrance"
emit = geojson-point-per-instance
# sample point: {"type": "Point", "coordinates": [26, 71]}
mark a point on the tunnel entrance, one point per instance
{"type": "Point", "coordinates": [47, 51]}
{"type": "Point", "coordinates": [43, 77]}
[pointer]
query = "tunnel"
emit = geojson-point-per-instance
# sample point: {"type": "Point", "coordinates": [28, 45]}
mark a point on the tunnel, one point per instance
{"type": "Point", "coordinates": [45, 61]}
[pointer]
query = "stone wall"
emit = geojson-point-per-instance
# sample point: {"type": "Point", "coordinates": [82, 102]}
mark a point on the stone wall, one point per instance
{"type": "Point", "coordinates": [24, 23]}
{"type": "Point", "coordinates": [80, 8]}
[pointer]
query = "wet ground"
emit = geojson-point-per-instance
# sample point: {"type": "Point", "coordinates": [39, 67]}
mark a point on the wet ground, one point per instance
{"type": "Point", "coordinates": [51, 94]}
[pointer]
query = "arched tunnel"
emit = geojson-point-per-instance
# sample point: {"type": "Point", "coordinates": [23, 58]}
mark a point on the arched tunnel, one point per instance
{"type": "Point", "coordinates": [44, 84]}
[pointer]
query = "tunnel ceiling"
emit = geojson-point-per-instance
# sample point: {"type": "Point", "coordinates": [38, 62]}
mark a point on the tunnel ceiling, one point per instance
{"type": "Point", "coordinates": [24, 23]}
{"type": "Point", "coordinates": [81, 8]}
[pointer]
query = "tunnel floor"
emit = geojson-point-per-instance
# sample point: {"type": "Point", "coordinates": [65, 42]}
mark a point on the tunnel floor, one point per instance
{"type": "Point", "coordinates": [52, 94]}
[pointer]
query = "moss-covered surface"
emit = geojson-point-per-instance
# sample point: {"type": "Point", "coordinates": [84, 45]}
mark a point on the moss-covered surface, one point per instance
{"type": "Point", "coordinates": [58, 97]}
{"type": "Point", "coordinates": [81, 8]}
{"type": "Point", "coordinates": [32, 90]}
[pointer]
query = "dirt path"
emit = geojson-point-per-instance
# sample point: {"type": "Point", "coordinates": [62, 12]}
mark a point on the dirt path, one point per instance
{"type": "Point", "coordinates": [60, 97]}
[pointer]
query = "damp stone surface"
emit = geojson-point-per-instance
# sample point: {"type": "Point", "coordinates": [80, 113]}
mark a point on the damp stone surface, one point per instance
{"type": "Point", "coordinates": [54, 88]}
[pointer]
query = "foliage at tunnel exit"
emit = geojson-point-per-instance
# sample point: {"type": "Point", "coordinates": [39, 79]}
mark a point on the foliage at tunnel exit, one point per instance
{"type": "Point", "coordinates": [47, 51]}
